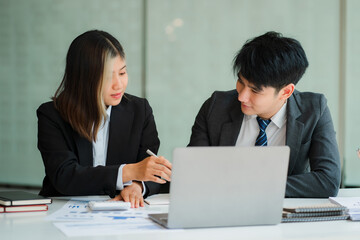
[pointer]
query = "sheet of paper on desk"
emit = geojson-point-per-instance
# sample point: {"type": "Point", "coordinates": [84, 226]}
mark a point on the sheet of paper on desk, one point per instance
{"type": "Point", "coordinates": [101, 228]}
{"type": "Point", "coordinates": [351, 203]}
{"type": "Point", "coordinates": [355, 216]}
{"type": "Point", "coordinates": [76, 219]}
{"type": "Point", "coordinates": [78, 211]}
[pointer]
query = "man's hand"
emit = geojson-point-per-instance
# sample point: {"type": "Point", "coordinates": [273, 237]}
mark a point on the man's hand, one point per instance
{"type": "Point", "coordinates": [132, 194]}
{"type": "Point", "coordinates": [149, 169]}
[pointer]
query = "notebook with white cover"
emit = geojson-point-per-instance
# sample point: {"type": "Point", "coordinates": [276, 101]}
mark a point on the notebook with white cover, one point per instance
{"type": "Point", "coordinates": [226, 186]}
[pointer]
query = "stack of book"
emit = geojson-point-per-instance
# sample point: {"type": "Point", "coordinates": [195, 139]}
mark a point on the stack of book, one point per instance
{"type": "Point", "coordinates": [20, 201]}
{"type": "Point", "coordinates": [324, 212]}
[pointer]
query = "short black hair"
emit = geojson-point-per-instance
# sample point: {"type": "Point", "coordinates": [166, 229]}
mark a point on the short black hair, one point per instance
{"type": "Point", "coordinates": [271, 60]}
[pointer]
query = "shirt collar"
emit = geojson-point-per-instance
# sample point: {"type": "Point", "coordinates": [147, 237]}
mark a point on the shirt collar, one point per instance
{"type": "Point", "coordinates": [108, 113]}
{"type": "Point", "coordinates": [279, 119]}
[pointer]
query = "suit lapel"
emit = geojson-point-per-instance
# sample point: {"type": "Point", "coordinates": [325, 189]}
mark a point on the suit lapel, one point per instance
{"type": "Point", "coordinates": [230, 130]}
{"type": "Point", "coordinates": [294, 129]}
{"type": "Point", "coordinates": [121, 121]}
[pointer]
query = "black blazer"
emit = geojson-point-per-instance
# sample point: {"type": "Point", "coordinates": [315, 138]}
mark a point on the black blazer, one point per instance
{"type": "Point", "coordinates": [68, 157]}
{"type": "Point", "coordinates": [314, 166]}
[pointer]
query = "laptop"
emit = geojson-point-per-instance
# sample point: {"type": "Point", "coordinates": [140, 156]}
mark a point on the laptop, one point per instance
{"type": "Point", "coordinates": [226, 186]}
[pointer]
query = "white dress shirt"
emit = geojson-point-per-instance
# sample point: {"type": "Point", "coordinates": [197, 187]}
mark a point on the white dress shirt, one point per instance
{"type": "Point", "coordinates": [275, 131]}
{"type": "Point", "coordinates": [100, 150]}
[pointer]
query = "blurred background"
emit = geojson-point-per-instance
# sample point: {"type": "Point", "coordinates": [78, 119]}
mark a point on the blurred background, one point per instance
{"type": "Point", "coordinates": [178, 52]}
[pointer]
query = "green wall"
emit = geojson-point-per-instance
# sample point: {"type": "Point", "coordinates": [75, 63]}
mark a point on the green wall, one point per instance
{"type": "Point", "coordinates": [178, 53]}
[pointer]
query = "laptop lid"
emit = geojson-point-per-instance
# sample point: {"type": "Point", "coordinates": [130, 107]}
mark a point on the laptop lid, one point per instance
{"type": "Point", "coordinates": [227, 186]}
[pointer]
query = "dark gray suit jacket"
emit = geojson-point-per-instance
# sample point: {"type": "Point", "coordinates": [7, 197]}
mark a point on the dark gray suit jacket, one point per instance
{"type": "Point", "coordinates": [314, 167]}
{"type": "Point", "coordinates": [68, 157]}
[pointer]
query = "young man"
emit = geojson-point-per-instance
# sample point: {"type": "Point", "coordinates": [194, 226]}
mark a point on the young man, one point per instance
{"type": "Point", "coordinates": [266, 110]}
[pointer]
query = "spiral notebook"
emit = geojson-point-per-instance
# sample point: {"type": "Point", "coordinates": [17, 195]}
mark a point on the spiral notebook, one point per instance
{"type": "Point", "coordinates": [315, 219]}
{"type": "Point", "coordinates": [314, 213]}
{"type": "Point", "coordinates": [327, 207]}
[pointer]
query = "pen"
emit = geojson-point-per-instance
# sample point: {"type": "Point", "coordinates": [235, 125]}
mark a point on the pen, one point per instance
{"type": "Point", "coordinates": [154, 155]}
{"type": "Point", "coordinates": [151, 153]}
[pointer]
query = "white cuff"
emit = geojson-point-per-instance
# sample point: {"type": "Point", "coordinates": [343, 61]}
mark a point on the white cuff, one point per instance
{"type": "Point", "coordinates": [144, 188]}
{"type": "Point", "coordinates": [119, 183]}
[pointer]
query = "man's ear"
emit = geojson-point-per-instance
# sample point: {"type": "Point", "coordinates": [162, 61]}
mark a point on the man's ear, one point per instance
{"type": "Point", "coordinates": [287, 91]}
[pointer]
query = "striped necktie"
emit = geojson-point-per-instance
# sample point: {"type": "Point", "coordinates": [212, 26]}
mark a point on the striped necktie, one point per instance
{"type": "Point", "coordinates": [261, 140]}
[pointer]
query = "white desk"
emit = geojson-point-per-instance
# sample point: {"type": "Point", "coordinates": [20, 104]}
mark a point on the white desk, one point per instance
{"type": "Point", "coordinates": [33, 226]}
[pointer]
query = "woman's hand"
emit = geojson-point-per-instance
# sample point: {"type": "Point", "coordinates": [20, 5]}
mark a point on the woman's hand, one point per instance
{"type": "Point", "coordinates": [132, 194]}
{"type": "Point", "coordinates": [155, 169]}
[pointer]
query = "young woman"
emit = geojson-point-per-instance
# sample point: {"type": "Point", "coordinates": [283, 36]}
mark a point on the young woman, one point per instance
{"type": "Point", "coordinates": [93, 136]}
